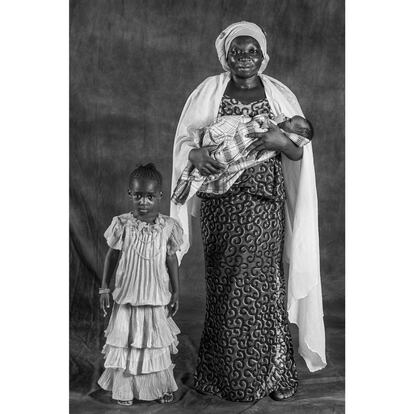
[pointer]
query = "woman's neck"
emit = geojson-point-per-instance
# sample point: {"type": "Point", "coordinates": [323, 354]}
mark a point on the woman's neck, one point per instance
{"type": "Point", "coordinates": [254, 91]}
{"type": "Point", "coordinates": [246, 83]}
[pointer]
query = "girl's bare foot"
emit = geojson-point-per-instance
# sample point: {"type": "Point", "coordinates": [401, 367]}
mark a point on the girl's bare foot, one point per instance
{"type": "Point", "coordinates": [279, 395]}
{"type": "Point", "coordinates": [166, 398]}
{"type": "Point", "coordinates": [125, 403]}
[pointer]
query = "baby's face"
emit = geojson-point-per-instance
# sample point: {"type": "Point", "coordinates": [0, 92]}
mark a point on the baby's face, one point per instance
{"type": "Point", "coordinates": [296, 125]}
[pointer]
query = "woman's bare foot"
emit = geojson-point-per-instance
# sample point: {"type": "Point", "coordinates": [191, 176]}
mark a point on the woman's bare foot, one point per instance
{"type": "Point", "coordinates": [279, 395]}
{"type": "Point", "coordinates": [125, 403]}
{"type": "Point", "coordinates": [166, 398]}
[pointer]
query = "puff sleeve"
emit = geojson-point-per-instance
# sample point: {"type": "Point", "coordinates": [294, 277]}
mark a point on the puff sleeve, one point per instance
{"type": "Point", "coordinates": [114, 234]}
{"type": "Point", "coordinates": [175, 239]}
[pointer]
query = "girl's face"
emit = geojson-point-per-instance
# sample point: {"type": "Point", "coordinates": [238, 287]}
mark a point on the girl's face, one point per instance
{"type": "Point", "coordinates": [244, 57]}
{"type": "Point", "coordinates": [146, 197]}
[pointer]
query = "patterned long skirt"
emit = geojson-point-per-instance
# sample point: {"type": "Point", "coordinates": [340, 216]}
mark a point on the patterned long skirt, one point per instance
{"type": "Point", "coordinates": [246, 348]}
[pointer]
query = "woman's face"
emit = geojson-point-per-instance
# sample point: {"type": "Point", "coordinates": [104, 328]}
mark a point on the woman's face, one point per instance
{"type": "Point", "coordinates": [244, 57]}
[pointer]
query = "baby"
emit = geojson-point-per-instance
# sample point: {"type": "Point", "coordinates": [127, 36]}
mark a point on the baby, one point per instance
{"type": "Point", "coordinates": [297, 128]}
{"type": "Point", "coordinates": [229, 137]}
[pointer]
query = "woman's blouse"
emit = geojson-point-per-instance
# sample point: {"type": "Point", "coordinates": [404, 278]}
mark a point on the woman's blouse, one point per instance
{"type": "Point", "coordinates": [142, 276]}
{"type": "Point", "coordinates": [265, 179]}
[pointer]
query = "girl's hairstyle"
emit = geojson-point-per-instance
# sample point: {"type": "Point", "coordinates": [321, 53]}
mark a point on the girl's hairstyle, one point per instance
{"type": "Point", "coordinates": [147, 171]}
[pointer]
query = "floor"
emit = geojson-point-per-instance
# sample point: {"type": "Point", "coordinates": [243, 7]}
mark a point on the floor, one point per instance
{"type": "Point", "coordinates": [320, 392]}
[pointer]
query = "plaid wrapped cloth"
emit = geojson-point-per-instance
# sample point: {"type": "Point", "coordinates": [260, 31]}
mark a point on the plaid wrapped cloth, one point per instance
{"type": "Point", "coordinates": [229, 137]}
{"type": "Point", "coordinates": [298, 139]}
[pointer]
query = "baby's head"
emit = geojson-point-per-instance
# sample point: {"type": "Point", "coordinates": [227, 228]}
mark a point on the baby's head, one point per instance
{"type": "Point", "coordinates": [298, 125]}
{"type": "Point", "coordinates": [145, 184]}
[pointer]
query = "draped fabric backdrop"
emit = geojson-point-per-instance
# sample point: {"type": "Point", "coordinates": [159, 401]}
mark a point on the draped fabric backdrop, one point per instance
{"type": "Point", "coordinates": [133, 63]}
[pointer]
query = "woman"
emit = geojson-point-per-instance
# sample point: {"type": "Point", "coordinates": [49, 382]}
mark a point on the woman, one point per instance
{"type": "Point", "coordinates": [268, 215]}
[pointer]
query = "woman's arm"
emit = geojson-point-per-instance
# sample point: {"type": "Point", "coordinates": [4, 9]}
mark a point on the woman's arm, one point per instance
{"type": "Point", "coordinates": [275, 140]}
{"type": "Point", "coordinates": [291, 150]}
{"type": "Point", "coordinates": [111, 261]}
{"type": "Point", "coordinates": [172, 266]}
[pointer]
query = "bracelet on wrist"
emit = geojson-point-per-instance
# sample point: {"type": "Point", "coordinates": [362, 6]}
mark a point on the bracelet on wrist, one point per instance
{"type": "Point", "coordinates": [104, 290]}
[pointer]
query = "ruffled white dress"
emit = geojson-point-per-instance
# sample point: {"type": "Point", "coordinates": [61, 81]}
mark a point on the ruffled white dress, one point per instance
{"type": "Point", "coordinates": [140, 337]}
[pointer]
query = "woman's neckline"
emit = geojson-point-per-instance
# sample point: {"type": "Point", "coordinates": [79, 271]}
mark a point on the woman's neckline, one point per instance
{"type": "Point", "coordinates": [245, 96]}
{"type": "Point", "coordinates": [227, 96]}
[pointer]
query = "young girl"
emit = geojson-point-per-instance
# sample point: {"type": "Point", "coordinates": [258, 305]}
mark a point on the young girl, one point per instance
{"type": "Point", "coordinates": [141, 334]}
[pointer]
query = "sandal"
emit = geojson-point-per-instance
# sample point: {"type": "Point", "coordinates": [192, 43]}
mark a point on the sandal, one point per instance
{"type": "Point", "coordinates": [166, 398]}
{"type": "Point", "coordinates": [127, 403]}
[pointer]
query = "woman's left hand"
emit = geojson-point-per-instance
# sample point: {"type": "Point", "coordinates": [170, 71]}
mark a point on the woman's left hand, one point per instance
{"type": "Point", "coordinates": [274, 140]}
{"type": "Point", "coordinates": [271, 140]}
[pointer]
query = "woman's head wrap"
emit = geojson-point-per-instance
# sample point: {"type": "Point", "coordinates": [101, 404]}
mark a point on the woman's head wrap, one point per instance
{"type": "Point", "coordinates": [243, 28]}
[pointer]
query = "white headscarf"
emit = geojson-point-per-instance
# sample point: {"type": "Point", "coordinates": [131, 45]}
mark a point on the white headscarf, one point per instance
{"type": "Point", "coordinates": [243, 28]}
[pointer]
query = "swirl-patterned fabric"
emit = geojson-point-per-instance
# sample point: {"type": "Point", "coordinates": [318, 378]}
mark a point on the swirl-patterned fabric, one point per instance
{"type": "Point", "coordinates": [246, 348]}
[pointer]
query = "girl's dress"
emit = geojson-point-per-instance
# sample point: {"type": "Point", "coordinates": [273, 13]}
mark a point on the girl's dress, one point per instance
{"type": "Point", "coordinates": [246, 348]}
{"type": "Point", "coordinates": [140, 337]}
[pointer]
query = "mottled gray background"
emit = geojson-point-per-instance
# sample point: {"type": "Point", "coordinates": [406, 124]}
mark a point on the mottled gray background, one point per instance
{"type": "Point", "coordinates": [133, 63]}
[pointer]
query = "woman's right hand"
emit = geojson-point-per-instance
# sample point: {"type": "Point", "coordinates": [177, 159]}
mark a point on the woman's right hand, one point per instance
{"type": "Point", "coordinates": [200, 158]}
{"type": "Point", "coordinates": [104, 302]}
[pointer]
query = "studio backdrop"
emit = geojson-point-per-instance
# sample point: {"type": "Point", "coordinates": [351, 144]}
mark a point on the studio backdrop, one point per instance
{"type": "Point", "coordinates": [133, 63]}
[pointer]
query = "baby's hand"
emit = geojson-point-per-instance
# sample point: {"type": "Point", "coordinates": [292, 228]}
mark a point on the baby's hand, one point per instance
{"type": "Point", "coordinates": [104, 302]}
{"type": "Point", "coordinates": [261, 122]}
{"type": "Point", "coordinates": [173, 305]}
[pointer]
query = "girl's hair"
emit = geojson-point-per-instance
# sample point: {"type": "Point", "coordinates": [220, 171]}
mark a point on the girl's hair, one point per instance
{"type": "Point", "coordinates": [148, 171]}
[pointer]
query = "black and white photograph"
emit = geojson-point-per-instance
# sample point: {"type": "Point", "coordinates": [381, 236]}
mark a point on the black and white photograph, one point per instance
{"type": "Point", "coordinates": [207, 206]}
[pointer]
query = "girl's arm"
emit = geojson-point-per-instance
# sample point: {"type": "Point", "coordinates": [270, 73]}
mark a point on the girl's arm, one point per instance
{"type": "Point", "coordinates": [111, 261]}
{"type": "Point", "coordinates": [172, 267]}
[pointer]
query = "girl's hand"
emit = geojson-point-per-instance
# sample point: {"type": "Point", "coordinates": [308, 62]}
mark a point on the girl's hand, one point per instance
{"type": "Point", "coordinates": [272, 140]}
{"type": "Point", "coordinates": [200, 158]}
{"type": "Point", "coordinates": [173, 305]}
{"type": "Point", "coordinates": [104, 302]}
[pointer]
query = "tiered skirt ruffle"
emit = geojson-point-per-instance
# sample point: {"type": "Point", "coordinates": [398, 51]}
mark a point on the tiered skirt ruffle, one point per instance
{"type": "Point", "coordinates": [139, 344]}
